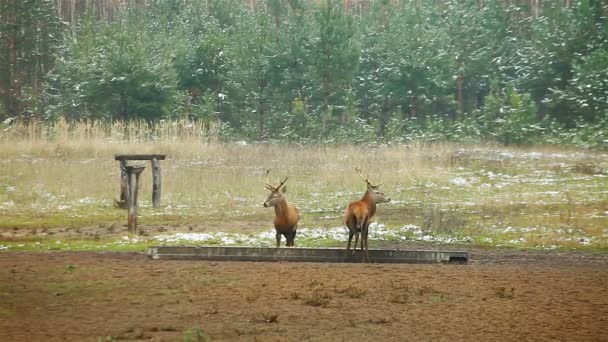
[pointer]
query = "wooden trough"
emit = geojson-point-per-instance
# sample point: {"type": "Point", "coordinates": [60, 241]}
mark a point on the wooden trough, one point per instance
{"type": "Point", "coordinates": [304, 255]}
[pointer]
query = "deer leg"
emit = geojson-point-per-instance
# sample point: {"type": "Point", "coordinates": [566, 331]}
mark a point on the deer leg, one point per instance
{"type": "Point", "coordinates": [350, 237]}
{"type": "Point", "coordinates": [356, 241]}
{"type": "Point", "coordinates": [363, 232]}
{"type": "Point", "coordinates": [362, 241]}
{"type": "Point", "coordinates": [364, 235]}
{"type": "Point", "coordinates": [278, 239]}
{"type": "Point", "coordinates": [293, 238]}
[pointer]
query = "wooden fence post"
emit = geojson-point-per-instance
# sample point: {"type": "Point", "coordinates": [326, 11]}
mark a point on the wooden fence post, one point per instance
{"type": "Point", "coordinates": [155, 183]}
{"type": "Point", "coordinates": [124, 182]}
{"type": "Point", "coordinates": [134, 172]}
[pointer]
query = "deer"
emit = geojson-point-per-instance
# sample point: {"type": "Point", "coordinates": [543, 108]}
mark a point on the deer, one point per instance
{"type": "Point", "coordinates": [287, 215]}
{"type": "Point", "coordinates": [359, 214]}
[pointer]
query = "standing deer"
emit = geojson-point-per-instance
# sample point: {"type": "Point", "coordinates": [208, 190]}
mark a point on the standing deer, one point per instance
{"type": "Point", "coordinates": [359, 214]}
{"type": "Point", "coordinates": [287, 215]}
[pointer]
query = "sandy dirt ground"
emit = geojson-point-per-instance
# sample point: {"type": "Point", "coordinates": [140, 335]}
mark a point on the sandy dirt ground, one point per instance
{"type": "Point", "coordinates": [498, 296]}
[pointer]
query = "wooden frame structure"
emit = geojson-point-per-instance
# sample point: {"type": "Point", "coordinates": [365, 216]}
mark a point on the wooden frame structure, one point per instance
{"type": "Point", "coordinates": [124, 178]}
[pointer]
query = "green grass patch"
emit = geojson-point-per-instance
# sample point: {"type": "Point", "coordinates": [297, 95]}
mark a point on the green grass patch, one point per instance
{"type": "Point", "coordinates": [45, 245]}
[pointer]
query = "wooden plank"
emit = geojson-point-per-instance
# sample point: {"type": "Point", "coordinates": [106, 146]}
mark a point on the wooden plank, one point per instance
{"type": "Point", "coordinates": [124, 183]}
{"type": "Point", "coordinates": [134, 173]}
{"type": "Point", "coordinates": [220, 253]}
{"type": "Point", "coordinates": [155, 183]}
{"type": "Point", "coordinates": [139, 156]}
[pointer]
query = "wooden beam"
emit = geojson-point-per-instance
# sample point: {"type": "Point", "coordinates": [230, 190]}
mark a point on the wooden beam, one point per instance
{"type": "Point", "coordinates": [134, 172]}
{"type": "Point", "coordinates": [124, 183]}
{"type": "Point", "coordinates": [155, 183]}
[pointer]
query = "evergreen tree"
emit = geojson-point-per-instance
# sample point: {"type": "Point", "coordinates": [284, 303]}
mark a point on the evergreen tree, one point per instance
{"type": "Point", "coordinates": [302, 70]}
{"type": "Point", "coordinates": [29, 33]}
{"type": "Point", "coordinates": [335, 58]}
{"type": "Point", "coordinates": [115, 72]}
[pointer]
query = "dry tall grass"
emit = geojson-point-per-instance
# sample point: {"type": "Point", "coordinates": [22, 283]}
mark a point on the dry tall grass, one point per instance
{"type": "Point", "coordinates": [73, 158]}
{"type": "Point", "coordinates": [95, 138]}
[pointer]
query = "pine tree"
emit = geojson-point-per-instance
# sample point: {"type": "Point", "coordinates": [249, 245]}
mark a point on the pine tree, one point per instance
{"type": "Point", "coordinates": [336, 56]}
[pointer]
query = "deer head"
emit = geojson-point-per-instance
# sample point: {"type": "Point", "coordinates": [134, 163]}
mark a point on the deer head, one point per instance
{"type": "Point", "coordinates": [277, 194]}
{"type": "Point", "coordinates": [373, 190]}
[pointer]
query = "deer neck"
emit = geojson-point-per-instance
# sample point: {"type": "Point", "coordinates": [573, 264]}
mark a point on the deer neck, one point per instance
{"type": "Point", "coordinates": [368, 199]}
{"type": "Point", "coordinates": [280, 209]}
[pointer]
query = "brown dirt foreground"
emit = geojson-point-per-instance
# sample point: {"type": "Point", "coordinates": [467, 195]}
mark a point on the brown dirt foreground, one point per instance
{"type": "Point", "coordinates": [499, 296]}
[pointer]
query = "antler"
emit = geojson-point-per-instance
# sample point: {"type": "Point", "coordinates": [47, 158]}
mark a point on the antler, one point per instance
{"type": "Point", "coordinates": [270, 187]}
{"type": "Point", "coordinates": [283, 182]}
{"type": "Point", "coordinates": [267, 185]}
{"type": "Point", "coordinates": [366, 179]}
{"type": "Point", "coordinates": [360, 175]}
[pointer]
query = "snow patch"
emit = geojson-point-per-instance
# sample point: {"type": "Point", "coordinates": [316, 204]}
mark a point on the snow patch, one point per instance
{"type": "Point", "coordinates": [458, 181]}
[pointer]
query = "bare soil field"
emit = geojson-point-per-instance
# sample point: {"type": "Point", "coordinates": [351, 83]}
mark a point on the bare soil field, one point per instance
{"type": "Point", "coordinates": [498, 296]}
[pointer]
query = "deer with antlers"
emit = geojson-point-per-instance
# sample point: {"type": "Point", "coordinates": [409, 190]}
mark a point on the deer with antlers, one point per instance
{"type": "Point", "coordinates": [287, 215]}
{"type": "Point", "coordinates": [359, 214]}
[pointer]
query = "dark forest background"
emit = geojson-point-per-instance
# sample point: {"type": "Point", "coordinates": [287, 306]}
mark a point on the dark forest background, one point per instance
{"type": "Point", "coordinates": [512, 71]}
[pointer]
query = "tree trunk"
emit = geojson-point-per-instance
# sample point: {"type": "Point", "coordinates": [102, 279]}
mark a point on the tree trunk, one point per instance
{"type": "Point", "coordinates": [325, 109]}
{"type": "Point", "coordinates": [414, 107]}
{"type": "Point", "coordinates": [460, 95]}
{"type": "Point", "coordinates": [261, 112]}
{"type": "Point", "coordinates": [14, 88]}
{"type": "Point", "coordinates": [384, 116]}
{"type": "Point", "coordinates": [124, 111]}
{"type": "Point", "coordinates": [534, 8]}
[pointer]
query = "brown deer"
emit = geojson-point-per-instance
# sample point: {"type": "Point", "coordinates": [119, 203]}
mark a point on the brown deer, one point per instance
{"type": "Point", "coordinates": [359, 214]}
{"type": "Point", "coordinates": [287, 215]}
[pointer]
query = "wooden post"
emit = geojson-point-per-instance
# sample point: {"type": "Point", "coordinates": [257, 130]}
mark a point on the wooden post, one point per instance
{"type": "Point", "coordinates": [155, 183]}
{"type": "Point", "coordinates": [134, 172]}
{"type": "Point", "coordinates": [124, 183]}
{"type": "Point", "coordinates": [124, 178]}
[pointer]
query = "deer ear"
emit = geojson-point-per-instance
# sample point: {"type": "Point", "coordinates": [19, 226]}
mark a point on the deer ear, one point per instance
{"type": "Point", "coordinates": [284, 189]}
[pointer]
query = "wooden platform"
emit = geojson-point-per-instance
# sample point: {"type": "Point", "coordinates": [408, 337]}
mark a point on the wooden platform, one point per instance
{"type": "Point", "coordinates": [217, 253]}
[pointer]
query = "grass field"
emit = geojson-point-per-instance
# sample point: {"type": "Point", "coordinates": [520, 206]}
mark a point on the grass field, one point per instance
{"type": "Point", "coordinates": [58, 183]}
